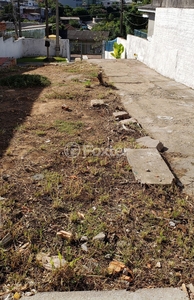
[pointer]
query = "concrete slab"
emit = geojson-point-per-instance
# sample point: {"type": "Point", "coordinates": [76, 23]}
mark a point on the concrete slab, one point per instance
{"type": "Point", "coordinates": [150, 143]}
{"type": "Point", "coordinates": [121, 115]}
{"type": "Point", "coordinates": [97, 103]}
{"type": "Point", "coordinates": [149, 167]}
{"type": "Point", "coordinates": [144, 294]}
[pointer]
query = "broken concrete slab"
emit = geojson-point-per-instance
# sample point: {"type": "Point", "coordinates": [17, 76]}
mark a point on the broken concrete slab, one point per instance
{"type": "Point", "coordinates": [97, 103]}
{"type": "Point", "coordinates": [128, 121]}
{"type": "Point", "coordinates": [120, 115]}
{"type": "Point", "coordinates": [150, 143]}
{"type": "Point", "coordinates": [148, 166]}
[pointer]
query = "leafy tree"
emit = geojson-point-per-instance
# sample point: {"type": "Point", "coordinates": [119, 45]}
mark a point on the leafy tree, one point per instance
{"type": "Point", "coordinates": [68, 11]}
{"type": "Point", "coordinates": [82, 13]}
{"type": "Point", "coordinates": [97, 10]}
{"type": "Point", "coordinates": [7, 13]}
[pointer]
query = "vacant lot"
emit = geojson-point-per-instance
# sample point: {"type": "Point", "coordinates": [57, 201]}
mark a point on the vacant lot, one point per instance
{"type": "Point", "coordinates": [65, 180]}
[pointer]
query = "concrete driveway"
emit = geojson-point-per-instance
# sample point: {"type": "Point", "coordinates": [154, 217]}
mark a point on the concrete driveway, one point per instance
{"type": "Point", "coordinates": [163, 107]}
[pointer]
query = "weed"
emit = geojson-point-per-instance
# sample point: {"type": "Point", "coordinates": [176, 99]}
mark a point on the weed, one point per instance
{"type": "Point", "coordinates": [40, 133]}
{"type": "Point", "coordinates": [87, 83]}
{"type": "Point", "coordinates": [24, 81]}
{"type": "Point", "coordinates": [68, 127]}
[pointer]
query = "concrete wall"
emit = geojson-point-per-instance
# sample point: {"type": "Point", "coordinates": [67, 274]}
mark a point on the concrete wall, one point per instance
{"type": "Point", "coordinates": [11, 47]}
{"type": "Point", "coordinates": [31, 47]}
{"type": "Point", "coordinates": [170, 51]}
{"type": "Point", "coordinates": [174, 3]}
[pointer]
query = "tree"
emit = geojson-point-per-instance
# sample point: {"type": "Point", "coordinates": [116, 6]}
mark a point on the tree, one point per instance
{"type": "Point", "coordinates": [82, 13]}
{"type": "Point", "coordinates": [7, 12]}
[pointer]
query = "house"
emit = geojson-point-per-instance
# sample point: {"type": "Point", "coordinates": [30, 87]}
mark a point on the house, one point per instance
{"type": "Point", "coordinates": [149, 10]}
{"type": "Point", "coordinates": [86, 41]}
{"type": "Point", "coordinates": [71, 3]}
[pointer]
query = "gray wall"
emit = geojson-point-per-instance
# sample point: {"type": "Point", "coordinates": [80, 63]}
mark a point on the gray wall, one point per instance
{"type": "Point", "coordinates": [174, 3]}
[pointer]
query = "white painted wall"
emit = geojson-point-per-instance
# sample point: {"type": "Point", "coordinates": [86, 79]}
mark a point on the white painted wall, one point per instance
{"type": "Point", "coordinates": [11, 47]}
{"type": "Point", "coordinates": [170, 51]}
{"type": "Point", "coordinates": [31, 47]}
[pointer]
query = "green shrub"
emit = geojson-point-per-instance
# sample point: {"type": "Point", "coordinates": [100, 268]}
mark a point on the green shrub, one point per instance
{"type": "Point", "coordinates": [24, 80]}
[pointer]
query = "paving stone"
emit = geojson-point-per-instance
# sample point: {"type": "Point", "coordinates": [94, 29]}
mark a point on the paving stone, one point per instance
{"type": "Point", "coordinates": [101, 236]}
{"type": "Point", "coordinates": [97, 103]}
{"type": "Point", "coordinates": [148, 166]}
{"type": "Point", "coordinates": [150, 143]}
{"type": "Point", "coordinates": [120, 115]}
{"type": "Point", "coordinates": [144, 294]}
{"type": "Point", "coordinates": [128, 121]}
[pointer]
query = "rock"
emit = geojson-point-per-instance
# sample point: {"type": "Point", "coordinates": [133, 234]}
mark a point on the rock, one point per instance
{"type": "Point", "coordinates": [172, 224]}
{"type": "Point", "coordinates": [191, 287]}
{"type": "Point", "coordinates": [158, 265]}
{"type": "Point", "coordinates": [97, 103]}
{"type": "Point", "coordinates": [38, 177]}
{"type": "Point", "coordinates": [101, 236]}
{"type": "Point", "coordinates": [1, 198]}
{"type": "Point", "coordinates": [120, 115]}
{"type": "Point", "coordinates": [50, 262]}
{"type": "Point", "coordinates": [65, 107]}
{"type": "Point", "coordinates": [128, 121]}
{"type": "Point", "coordinates": [84, 238]}
{"type": "Point", "coordinates": [150, 143]}
{"type": "Point", "coordinates": [65, 235]}
{"type": "Point", "coordinates": [84, 247]}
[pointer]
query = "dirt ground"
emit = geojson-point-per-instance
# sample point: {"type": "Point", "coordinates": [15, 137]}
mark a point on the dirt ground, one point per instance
{"type": "Point", "coordinates": [65, 179]}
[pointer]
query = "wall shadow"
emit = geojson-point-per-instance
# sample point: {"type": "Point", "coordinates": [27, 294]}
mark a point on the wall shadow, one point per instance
{"type": "Point", "coordinates": [15, 105]}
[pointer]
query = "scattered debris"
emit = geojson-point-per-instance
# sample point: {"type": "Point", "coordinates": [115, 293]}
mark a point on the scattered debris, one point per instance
{"type": "Point", "coordinates": [101, 236]}
{"type": "Point", "coordinates": [16, 296]}
{"type": "Point", "coordinates": [172, 224]}
{"type": "Point", "coordinates": [120, 115]}
{"type": "Point", "coordinates": [158, 265]}
{"type": "Point", "coordinates": [97, 103]}
{"type": "Point", "coordinates": [84, 247]}
{"type": "Point", "coordinates": [84, 238]}
{"type": "Point", "coordinates": [80, 215]}
{"type": "Point", "coordinates": [129, 121]}
{"type": "Point", "coordinates": [65, 107]}
{"type": "Point", "coordinates": [116, 267]}
{"type": "Point", "coordinates": [38, 177]}
{"type": "Point", "coordinates": [65, 235]}
{"type": "Point", "coordinates": [150, 143]}
{"type": "Point", "coordinates": [191, 287]}
{"type": "Point", "coordinates": [50, 262]}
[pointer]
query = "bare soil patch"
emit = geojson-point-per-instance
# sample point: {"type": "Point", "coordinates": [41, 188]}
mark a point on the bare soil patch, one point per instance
{"type": "Point", "coordinates": [62, 168]}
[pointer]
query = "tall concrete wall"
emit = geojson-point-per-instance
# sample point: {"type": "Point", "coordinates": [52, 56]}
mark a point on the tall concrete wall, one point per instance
{"type": "Point", "coordinates": [170, 51]}
{"type": "Point", "coordinates": [174, 3]}
{"type": "Point", "coordinates": [31, 47]}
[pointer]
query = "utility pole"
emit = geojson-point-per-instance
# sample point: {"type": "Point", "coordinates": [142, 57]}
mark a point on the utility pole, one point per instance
{"type": "Point", "coordinates": [15, 18]}
{"type": "Point", "coordinates": [47, 43]}
{"type": "Point", "coordinates": [121, 18]}
{"type": "Point", "coordinates": [57, 29]}
{"type": "Point", "coordinates": [19, 19]}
